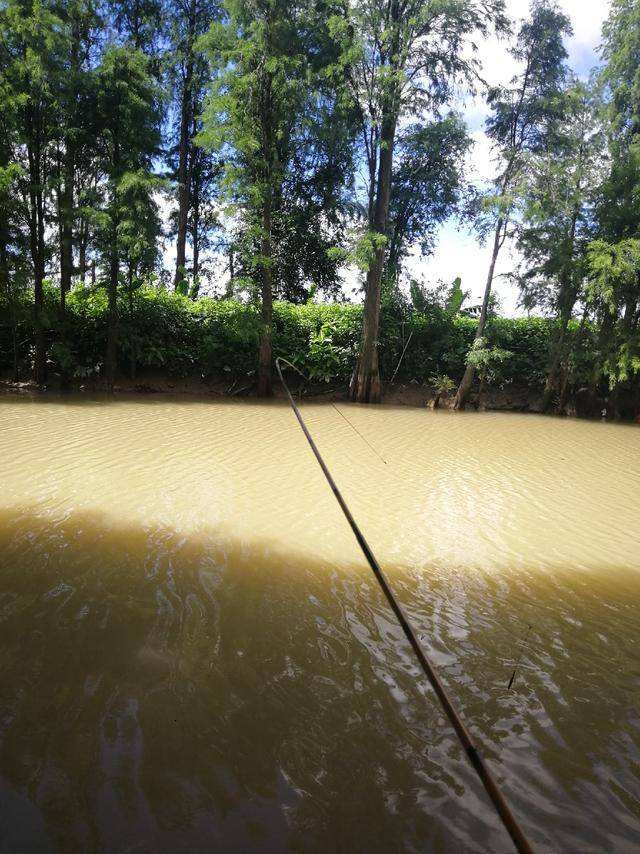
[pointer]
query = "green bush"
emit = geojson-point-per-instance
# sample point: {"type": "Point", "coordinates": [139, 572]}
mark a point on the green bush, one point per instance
{"type": "Point", "coordinates": [167, 331]}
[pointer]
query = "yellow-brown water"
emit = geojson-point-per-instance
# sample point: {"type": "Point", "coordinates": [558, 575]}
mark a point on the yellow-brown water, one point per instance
{"type": "Point", "coordinates": [194, 656]}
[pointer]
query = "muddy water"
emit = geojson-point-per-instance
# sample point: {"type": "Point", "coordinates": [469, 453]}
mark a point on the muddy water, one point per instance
{"type": "Point", "coordinates": [194, 656]}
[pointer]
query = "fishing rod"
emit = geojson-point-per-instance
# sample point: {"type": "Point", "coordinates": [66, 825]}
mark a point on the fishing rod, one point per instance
{"type": "Point", "coordinates": [473, 755]}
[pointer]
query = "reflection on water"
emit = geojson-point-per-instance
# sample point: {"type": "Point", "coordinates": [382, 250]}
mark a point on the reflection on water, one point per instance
{"type": "Point", "coordinates": [195, 657]}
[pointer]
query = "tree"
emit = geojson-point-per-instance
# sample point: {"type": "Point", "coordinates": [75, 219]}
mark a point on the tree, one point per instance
{"type": "Point", "coordinates": [427, 186]}
{"type": "Point", "coordinates": [203, 220]}
{"type": "Point", "coordinates": [190, 19]}
{"type": "Point", "coordinates": [620, 51]}
{"type": "Point", "coordinates": [138, 231]}
{"type": "Point", "coordinates": [487, 361]}
{"type": "Point", "coordinates": [138, 22]}
{"type": "Point", "coordinates": [32, 44]}
{"type": "Point", "coordinates": [79, 19]}
{"type": "Point", "coordinates": [558, 220]}
{"type": "Point", "coordinates": [276, 85]}
{"type": "Point", "coordinates": [401, 59]}
{"type": "Point", "coordinates": [14, 247]}
{"type": "Point", "coordinates": [614, 271]}
{"type": "Point", "coordinates": [522, 123]}
{"type": "Point", "coordinates": [128, 128]}
{"type": "Point", "coordinates": [614, 257]}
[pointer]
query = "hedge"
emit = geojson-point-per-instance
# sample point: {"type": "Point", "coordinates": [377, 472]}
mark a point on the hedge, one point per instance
{"type": "Point", "coordinates": [167, 331]}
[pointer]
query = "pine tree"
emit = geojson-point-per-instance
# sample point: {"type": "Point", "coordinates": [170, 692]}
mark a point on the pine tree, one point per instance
{"type": "Point", "coordinates": [522, 121]}
{"type": "Point", "coordinates": [128, 121]}
{"type": "Point", "coordinates": [558, 221]}
{"type": "Point", "coordinates": [276, 83]}
{"type": "Point", "coordinates": [401, 59]}
{"type": "Point", "coordinates": [33, 42]}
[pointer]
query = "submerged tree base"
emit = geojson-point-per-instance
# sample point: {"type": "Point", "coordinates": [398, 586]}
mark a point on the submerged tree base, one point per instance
{"type": "Point", "coordinates": [365, 387]}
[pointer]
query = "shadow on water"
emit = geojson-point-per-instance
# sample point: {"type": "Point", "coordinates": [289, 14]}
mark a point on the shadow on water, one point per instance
{"type": "Point", "coordinates": [170, 693]}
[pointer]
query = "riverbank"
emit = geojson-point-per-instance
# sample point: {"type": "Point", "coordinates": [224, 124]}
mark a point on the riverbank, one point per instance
{"type": "Point", "coordinates": [508, 398]}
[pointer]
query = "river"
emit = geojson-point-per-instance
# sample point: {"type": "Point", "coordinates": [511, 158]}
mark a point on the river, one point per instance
{"type": "Point", "coordinates": [195, 657]}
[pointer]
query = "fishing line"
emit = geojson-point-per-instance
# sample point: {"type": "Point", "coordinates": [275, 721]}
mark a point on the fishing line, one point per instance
{"type": "Point", "coordinates": [355, 429]}
{"type": "Point", "coordinates": [340, 413]}
{"type": "Point", "coordinates": [522, 646]}
{"type": "Point", "coordinates": [497, 798]}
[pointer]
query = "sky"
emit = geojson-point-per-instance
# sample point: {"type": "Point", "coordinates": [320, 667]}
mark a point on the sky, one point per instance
{"type": "Point", "coordinates": [458, 253]}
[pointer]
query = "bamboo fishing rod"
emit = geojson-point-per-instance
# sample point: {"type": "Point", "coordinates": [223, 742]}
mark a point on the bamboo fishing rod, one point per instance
{"type": "Point", "coordinates": [473, 755]}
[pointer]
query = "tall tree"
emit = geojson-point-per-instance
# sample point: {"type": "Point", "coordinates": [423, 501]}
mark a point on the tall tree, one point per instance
{"type": "Point", "coordinates": [14, 246]}
{"type": "Point", "coordinates": [614, 271]}
{"type": "Point", "coordinates": [139, 23]}
{"type": "Point", "coordinates": [190, 19]}
{"type": "Point", "coordinates": [402, 58]}
{"type": "Point", "coordinates": [128, 128]}
{"type": "Point", "coordinates": [558, 221]}
{"type": "Point", "coordinates": [522, 120]}
{"type": "Point", "coordinates": [204, 228]}
{"type": "Point", "coordinates": [427, 187]}
{"type": "Point", "coordinates": [614, 258]}
{"type": "Point", "coordinates": [276, 84]}
{"type": "Point", "coordinates": [32, 46]}
{"type": "Point", "coordinates": [79, 19]}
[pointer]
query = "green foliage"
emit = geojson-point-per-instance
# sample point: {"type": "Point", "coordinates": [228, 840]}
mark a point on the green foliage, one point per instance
{"type": "Point", "coordinates": [275, 113]}
{"type": "Point", "coordinates": [363, 251]}
{"type": "Point", "coordinates": [171, 333]}
{"type": "Point", "coordinates": [442, 383]}
{"type": "Point", "coordinates": [614, 271]}
{"type": "Point", "coordinates": [557, 217]}
{"type": "Point", "coordinates": [427, 186]}
{"type": "Point", "coordinates": [488, 361]}
{"type": "Point", "coordinates": [620, 50]}
{"type": "Point", "coordinates": [455, 297]}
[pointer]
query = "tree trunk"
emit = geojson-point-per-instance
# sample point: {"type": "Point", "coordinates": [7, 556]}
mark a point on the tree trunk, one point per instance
{"type": "Point", "coordinates": [195, 243]}
{"type": "Point", "coordinates": [196, 258]}
{"type": "Point", "coordinates": [36, 240]}
{"type": "Point", "coordinates": [66, 230]}
{"type": "Point", "coordinates": [66, 201]}
{"type": "Point", "coordinates": [39, 363]}
{"type": "Point", "coordinates": [6, 289]}
{"type": "Point", "coordinates": [551, 386]}
{"type": "Point", "coordinates": [566, 300]}
{"type": "Point", "coordinates": [184, 146]}
{"type": "Point", "coordinates": [268, 176]}
{"type": "Point", "coordinates": [605, 337]}
{"type": "Point", "coordinates": [365, 382]}
{"type": "Point", "coordinates": [112, 332]}
{"type": "Point", "coordinates": [132, 342]}
{"type": "Point", "coordinates": [265, 388]}
{"type": "Point", "coordinates": [467, 380]}
{"type": "Point", "coordinates": [82, 252]}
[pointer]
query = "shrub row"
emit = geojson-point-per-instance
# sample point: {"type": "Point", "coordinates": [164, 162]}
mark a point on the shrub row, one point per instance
{"type": "Point", "coordinates": [167, 331]}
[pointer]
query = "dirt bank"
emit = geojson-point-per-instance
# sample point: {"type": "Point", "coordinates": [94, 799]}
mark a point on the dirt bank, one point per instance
{"type": "Point", "coordinates": [584, 403]}
{"type": "Point", "coordinates": [507, 399]}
